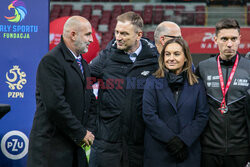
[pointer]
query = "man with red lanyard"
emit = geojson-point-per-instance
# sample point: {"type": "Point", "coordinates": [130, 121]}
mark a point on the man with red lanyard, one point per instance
{"type": "Point", "coordinates": [225, 141]}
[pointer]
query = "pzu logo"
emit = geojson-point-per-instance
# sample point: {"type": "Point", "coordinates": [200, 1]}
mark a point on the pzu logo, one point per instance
{"type": "Point", "coordinates": [14, 145]}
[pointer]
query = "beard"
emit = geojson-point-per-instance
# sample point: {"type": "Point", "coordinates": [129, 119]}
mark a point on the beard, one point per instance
{"type": "Point", "coordinates": [81, 46]}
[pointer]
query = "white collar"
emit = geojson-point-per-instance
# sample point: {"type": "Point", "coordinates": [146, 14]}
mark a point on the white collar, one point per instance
{"type": "Point", "coordinates": [138, 50]}
{"type": "Point", "coordinates": [76, 57]}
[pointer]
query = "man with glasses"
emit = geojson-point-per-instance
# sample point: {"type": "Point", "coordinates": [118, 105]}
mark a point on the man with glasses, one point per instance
{"type": "Point", "coordinates": [164, 32]}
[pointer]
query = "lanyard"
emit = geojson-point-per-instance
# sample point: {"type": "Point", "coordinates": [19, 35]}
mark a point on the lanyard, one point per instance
{"type": "Point", "coordinates": [223, 108]}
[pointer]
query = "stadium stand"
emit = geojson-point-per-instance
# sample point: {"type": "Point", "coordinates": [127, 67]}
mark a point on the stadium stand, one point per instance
{"type": "Point", "coordinates": [248, 14]}
{"type": "Point", "coordinates": [103, 15]}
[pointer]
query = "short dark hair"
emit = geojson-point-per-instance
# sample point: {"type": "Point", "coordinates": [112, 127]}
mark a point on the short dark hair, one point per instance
{"type": "Point", "coordinates": [227, 23]}
{"type": "Point", "coordinates": [133, 17]}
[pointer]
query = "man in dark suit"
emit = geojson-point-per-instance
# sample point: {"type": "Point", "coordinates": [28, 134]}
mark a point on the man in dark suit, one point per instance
{"type": "Point", "coordinates": [65, 108]}
{"type": "Point", "coordinates": [165, 31]}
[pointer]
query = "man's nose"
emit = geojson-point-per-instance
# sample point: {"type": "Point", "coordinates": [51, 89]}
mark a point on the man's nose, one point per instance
{"type": "Point", "coordinates": [118, 37]}
{"type": "Point", "coordinates": [91, 39]}
{"type": "Point", "coordinates": [229, 43]}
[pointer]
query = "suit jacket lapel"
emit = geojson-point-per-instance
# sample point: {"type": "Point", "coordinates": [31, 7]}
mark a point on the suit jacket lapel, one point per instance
{"type": "Point", "coordinates": [185, 93]}
{"type": "Point", "coordinates": [70, 58]}
{"type": "Point", "coordinates": [167, 92]}
{"type": "Point", "coordinates": [78, 70]}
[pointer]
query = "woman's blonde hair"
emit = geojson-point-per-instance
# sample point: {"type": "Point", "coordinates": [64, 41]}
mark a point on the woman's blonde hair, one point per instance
{"type": "Point", "coordinates": [192, 78]}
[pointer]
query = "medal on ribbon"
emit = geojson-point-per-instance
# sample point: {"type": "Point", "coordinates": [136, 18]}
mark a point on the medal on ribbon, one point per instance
{"type": "Point", "coordinates": [223, 107]}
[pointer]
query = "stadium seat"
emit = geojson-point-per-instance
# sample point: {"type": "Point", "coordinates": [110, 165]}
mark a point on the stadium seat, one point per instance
{"type": "Point", "coordinates": [187, 18]}
{"type": "Point", "coordinates": [170, 7]}
{"type": "Point", "coordinates": [248, 18]}
{"type": "Point", "coordinates": [86, 15]}
{"type": "Point", "coordinates": [66, 11]}
{"type": "Point", "coordinates": [200, 19]}
{"type": "Point", "coordinates": [112, 25]}
{"type": "Point", "coordinates": [138, 12]}
{"type": "Point", "coordinates": [106, 16]}
{"type": "Point", "coordinates": [75, 13]}
{"type": "Point", "coordinates": [200, 8]}
{"type": "Point", "coordinates": [117, 9]}
{"type": "Point", "coordinates": [150, 35]}
{"type": "Point", "coordinates": [100, 7]}
{"type": "Point", "coordinates": [147, 14]}
{"type": "Point", "coordinates": [180, 7]}
{"type": "Point", "coordinates": [94, 21]}
{"type": "Point", "coordinates": [158, 14]}
{"type": "Point", "coordinates": [56, 8]}
{"type": "Point", "coordinates": [87, 8]}
{"type": "Point", "coordinates": [127, 8]}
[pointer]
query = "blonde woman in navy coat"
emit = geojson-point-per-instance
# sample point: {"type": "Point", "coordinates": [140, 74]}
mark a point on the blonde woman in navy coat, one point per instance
{"type": "Point", "coordinates": [175, 110]}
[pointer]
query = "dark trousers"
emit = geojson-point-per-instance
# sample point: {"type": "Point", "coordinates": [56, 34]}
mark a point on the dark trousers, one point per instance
{"type": "Point", "coordinates": [212, 160]}
{"type": "Point", "coordinates": [105, 154]}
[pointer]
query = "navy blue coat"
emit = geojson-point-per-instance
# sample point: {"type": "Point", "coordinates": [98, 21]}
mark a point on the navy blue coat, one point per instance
{"type": "Point", "coordinates": [165, 119]}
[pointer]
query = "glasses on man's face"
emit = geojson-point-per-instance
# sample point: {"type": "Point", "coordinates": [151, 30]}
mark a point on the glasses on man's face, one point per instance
{"type": "Point", "coordinates": [170, 36]}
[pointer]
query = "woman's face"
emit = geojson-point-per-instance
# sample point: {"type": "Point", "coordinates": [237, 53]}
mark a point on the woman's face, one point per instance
{"type": "Point", "coordinates": [174, 58]}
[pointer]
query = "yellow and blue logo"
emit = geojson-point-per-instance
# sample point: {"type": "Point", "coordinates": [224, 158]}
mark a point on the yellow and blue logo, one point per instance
{"type": "Point", "coordinates": [16, 79]}
{"type": "Point", "coordinates": [20, 11]}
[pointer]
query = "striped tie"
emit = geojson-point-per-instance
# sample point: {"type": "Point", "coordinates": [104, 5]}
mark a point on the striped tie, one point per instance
{"type": "Point", "coordinates": [78, 60]}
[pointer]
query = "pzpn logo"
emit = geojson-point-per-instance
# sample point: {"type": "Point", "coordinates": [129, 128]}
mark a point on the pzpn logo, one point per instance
{"type": "Point", "coordinates": [16, 80]}
{"type": "Point", "coordinates": [19, 11]}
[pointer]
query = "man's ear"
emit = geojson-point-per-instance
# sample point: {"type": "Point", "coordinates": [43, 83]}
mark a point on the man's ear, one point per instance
{"type": "Point", "coordinates": [215, 39]}
{"type": "Point", "coordinates": [73, 35]}
{"type": "Point", "coordinates": [162, 40]}
{"type": "Point", "coordinates": [139, 35]}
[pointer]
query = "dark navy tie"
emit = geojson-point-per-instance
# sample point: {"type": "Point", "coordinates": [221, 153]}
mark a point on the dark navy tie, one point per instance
{"type": "Point", "coordinates": [133, 57]}
{"type": "Point", "coordinates": [78, 60]}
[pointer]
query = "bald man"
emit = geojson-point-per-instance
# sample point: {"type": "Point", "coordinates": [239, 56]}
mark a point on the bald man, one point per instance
{"type": "Point", "coordinates": [65, 108]}
{"type": "Point", "coordinates": [165, 31]}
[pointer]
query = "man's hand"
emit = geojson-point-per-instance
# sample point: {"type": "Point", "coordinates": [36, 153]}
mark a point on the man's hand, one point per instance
{"type": "Point", "coordinates": [89, 138]}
